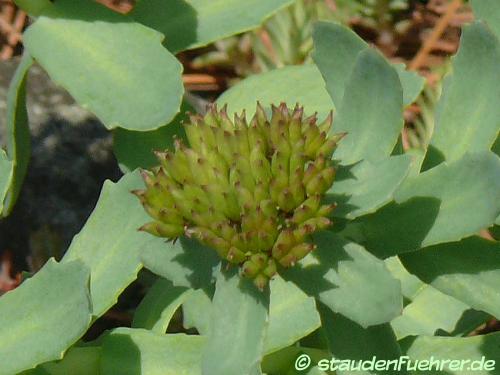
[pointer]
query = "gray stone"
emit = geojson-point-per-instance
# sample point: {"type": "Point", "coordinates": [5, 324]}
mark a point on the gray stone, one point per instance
{"type": "Point", "coordinates": [71, 158]}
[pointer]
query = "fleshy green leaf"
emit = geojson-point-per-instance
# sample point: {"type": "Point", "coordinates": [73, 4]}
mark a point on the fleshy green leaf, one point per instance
{"type": "Point", "coordinates": [238, 327]}
{"type": "Point", "coordinates": [364, 187]}
{"type": "Point", "coordinates": [429, 312]}
{"type": "Point", "coordinates": [134, 149]}
{"type": "Point", "coordinates": [45, 315]}
{"type": "Point", "coordinates": [283, 362]}
{"type": "Point", "coordinates": [349, 280]}
{"type": "Point", "coordinates": [127, 351]}
{"type": "Point", "coordinates": [195, 23]}
{"type": "Point", "coordinates": [349, 341]}
{"type": "Point", "coordinates": [292, 84]}
{"type": "Point", "coordinates": [111, 65]}
{"type": "Point", "coordinates": [110, 244]}
{"type": "Point", "coordinates": [395, 228]}
{"type": "Point", "coordinates": [185, 263]}
{"type": "Point", "coordinates": [77, 361]}
{"type": "Point", "coordinates": [18, 135]}
{"type": "Point", "coordinates": [6, 170]}
{"type": "Point", "coordinates": [372, 132]}
{"type": "Point", "coordinates": [292, 315]}
{"type": "Point", "coordinates": [411, 82]}
{"type": "Point", "coordinates": [420, 317]}
{"type": "Point", "coordinates": [32, 7]}
{"type": "Point", "coordinates": [410, 284]}
{"type": "Point", "coordinates": [196, 311]}
{"type": "Point", "coordinates": [159, 305]}
{"type": "Point", "coordinates": [488, 11]}
{"type": "Point", "coordinates": [466, 270]}
{"type": "Point", "coordinates": [469, 192]}
{"type": "Point", "coordinates": [468, 113]}
{"type": "Point", "coordinates": [336, 48]}
{"type": "Point", "coordinates": [457, 349]}
{"type": "Point", "coordinates": [446, 203]}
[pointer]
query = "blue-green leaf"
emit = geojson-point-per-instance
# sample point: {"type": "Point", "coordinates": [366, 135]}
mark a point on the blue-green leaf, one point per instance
{"type": "Point", "coordinates": [472, 352]}
{"type": "Point", "coordinates": [18, 136]}
{"type": "Point", "coordinates": [239, 319]}
{"type": "Point", "coordinates": [111, 65]}
{"type": "Point", "coordinates": [185, 262]}
{"type": "Point", "coordinates": [292, 84]}
{"type": "Point", "coordinates": [469, 193]}
{"type": "Point", "coordinates": [127, 351]}
{"type": "Point", "coordinates": [336, 48]}
{"type": "Point", "coordinates": [488, 11]}
{"type": "Point", "coordinates": [349, 341]}
{"type": "Point", "coordinates": [195, 23]}
{"type": "Point", "coordinates": [135, 149]}
{"type": "Point", "coordinates": [466, 270]}
{"type": "Point", "coordinates": [292, 315]}
{"type": "Point", "coordinates": [44, 316]}
{"type": "Point", "coordinates": [159, 305]}
{"type": "Point", "coordinates": [349, 280]}
{"type": "Point", "coordinates": [373, 131]}
{"type": "Point", "coordinates": [110, 244]}
{"type": "Point", "coordinates": [468, 113]}
{"type": "Point", "coordinates": [364, 187]}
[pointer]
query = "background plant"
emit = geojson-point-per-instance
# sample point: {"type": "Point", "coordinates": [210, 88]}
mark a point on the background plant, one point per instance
{"type": "Point", "coordinates": [404, 242]}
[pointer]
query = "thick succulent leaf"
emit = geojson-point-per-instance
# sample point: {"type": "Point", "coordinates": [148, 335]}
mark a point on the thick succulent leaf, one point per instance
{"type": "Point", "coordinates": [110, 244]}
{"type": "Point", "coordinates": [292, 315]}
{"type": "Point", "coordinates": [488, 11]}
{"type": "Point", "coordinates": [446, 203]}
{"type": "Point", "coordinates": [411, 82]}
{"type": "Point", "coordinates": [420, 317]}
{"type": "Point", "coordinates": [76, 361]}
{"type": "Point", "coordinates": [111, 65]}
{"type": "Point", "coordinates": [359, 189]}
{"type": "Point", "coordinates": [195, 23]}
{"type": "Point", "coordinates": [127, 351]}
{"type": "Point", "coordinates": [6, 170]}
{"type": "Point", "coordinates": [349, 280]}
{"type": "Point", "coordinates": [184, 262]}
{"type": "Point", "coordinates": [159, 305]}
{"type": "Point", "coordinates": [459, 349]}
{"type": "Point", "coordinates": [44, 316]}
{"type": "Point", "coordinates": [196, 311]}
{"type": "Point", "coordinates": [466, 270]}
{"type": "Point", "coordinates": [410, 284]}
{"type": "Point", "coordinates": [468, 113]}
{"type": "Point", "coordinates": [373, 132]}
{"type": "Point", "coordinates": [349, 341]}
{"type": "Point", "coordinates": [395, 228]}
{"type": "Point", "coordinates": [429, 312]}
{"type": "Point", "coordinates": [32, 7]}
{"type": "Point", "coordinates": [336, 48]}
{"type": "Point", "coordinates": [283, 361]}
{"type": "Point", "coordinates": [239, 319]}
{"type": "Point", "coordinates": [292, 84]}
{"type": "Point", "coordinates": [469, 191]}
{"type": "Point", "coordinates": [18, 134]}
{"type": "Point", "coordinates": [135, 149]}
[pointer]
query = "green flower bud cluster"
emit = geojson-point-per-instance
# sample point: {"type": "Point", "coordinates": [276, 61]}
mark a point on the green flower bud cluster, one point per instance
{"type": "Point", "coordinates": [251, 191]}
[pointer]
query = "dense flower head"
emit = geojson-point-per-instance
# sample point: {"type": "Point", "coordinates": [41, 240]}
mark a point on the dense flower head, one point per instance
{"type": "Point", "coordinates": [251, 191]}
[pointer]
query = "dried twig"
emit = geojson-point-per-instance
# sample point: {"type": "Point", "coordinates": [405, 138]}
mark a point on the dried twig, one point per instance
{"type": "Point", "coordinates": [438, 30]}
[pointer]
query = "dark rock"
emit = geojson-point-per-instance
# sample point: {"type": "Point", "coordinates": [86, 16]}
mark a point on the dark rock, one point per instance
{"type": "Point", "coordinates": [71, 158]}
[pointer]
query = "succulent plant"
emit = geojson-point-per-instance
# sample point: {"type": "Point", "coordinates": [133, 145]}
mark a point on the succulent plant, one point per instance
{"type": "Point", "coordinates": [251, 191]}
